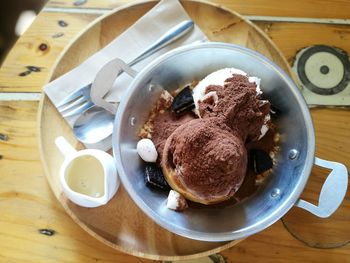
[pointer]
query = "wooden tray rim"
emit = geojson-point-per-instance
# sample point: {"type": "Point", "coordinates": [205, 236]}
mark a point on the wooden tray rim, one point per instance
{"type": "Point", "coordinates": [44, 99]}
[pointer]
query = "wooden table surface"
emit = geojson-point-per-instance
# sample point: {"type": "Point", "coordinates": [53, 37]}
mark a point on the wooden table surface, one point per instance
{"type": "Point", "coordinates": [34, 226]}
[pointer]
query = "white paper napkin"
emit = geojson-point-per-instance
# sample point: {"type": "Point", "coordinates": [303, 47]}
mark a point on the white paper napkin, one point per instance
{"type": "Point", "coordinates": [127, 46]}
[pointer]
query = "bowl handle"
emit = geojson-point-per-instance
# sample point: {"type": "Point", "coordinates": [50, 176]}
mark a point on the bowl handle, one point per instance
{"type": "Point", "coordinates": [108, 73]}
{"type": "Point", "coordinates": [333, 190]}
{"type": "Point", "coordinates": [104, 82]}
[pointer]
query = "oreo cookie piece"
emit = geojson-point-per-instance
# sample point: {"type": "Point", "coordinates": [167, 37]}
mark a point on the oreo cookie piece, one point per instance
{"type": "Point", "coordinates": [154, 177]}
{"type": "Point", "coordinates": [183, 101]}
{"type": "Point", "coordinates": [260, 160]}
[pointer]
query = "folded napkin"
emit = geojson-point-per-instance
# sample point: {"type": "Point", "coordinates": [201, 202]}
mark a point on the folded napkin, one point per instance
{"type": "Point", "coordinates": [127, 46]}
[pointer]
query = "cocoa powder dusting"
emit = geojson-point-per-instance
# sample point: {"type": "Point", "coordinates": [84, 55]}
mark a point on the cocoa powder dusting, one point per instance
{"type": "Point", "coordinates": [162, 122]}
{"type": "Point", "coordinates": [239, 105]}
{"type": "Point", "coordinates": [166, 123]}
{"type": "Point", "coordinates": [210, 159]}
{"type": "Point", "coordinates": [209, 154]}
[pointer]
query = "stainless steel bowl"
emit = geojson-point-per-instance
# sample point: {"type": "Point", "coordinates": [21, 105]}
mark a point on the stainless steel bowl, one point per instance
{"type": "Point", "coordinates": [295, 160]}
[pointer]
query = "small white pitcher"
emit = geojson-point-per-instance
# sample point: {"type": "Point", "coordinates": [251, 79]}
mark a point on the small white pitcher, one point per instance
{"type": "Point", "coordinates": [111, 180]}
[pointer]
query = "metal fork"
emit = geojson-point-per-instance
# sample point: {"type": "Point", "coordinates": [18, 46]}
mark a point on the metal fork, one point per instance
{"type": "Point", "coordinates": [76, 103]}
{"type": "Point", "coordinates": [80, 100]}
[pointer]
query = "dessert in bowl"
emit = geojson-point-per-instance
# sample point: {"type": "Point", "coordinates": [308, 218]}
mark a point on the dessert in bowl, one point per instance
{"type": "Point", "coordinates": [202, 134]}
{"type": "Point", "coordinates": [230, 133]}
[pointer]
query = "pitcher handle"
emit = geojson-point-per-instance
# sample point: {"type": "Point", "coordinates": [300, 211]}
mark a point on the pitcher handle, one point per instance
{"type": "Point", "coordinates": [64, 147]}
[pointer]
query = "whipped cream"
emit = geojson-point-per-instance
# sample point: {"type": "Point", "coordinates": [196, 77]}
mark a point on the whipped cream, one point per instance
{"type": "Point", "coordinates": [218, 78]}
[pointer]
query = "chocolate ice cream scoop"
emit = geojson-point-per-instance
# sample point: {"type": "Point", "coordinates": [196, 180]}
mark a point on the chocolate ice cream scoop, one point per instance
{"type": "Point", "coordinates": [204, 160]}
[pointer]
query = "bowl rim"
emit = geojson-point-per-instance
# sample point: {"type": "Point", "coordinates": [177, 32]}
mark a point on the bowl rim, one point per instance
{"type": "Point", "coordinates": [280, 210]}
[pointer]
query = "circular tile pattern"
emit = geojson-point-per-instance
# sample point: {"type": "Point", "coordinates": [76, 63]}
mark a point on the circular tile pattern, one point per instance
{"type": "Point", "coordinates": [323, 69]}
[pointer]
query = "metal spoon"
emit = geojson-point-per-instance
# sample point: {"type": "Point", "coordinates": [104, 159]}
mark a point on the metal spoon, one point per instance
{"type": "Point", "coordinates": [96, 124]}
{"type": "Point", "coordinates": [93, 125]}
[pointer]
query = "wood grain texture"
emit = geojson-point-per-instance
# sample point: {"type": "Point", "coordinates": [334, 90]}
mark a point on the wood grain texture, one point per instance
{"type": "Point", "coordinates": [28, 205]}
{"type": "Point", "coordinates": [27, 52]}
{"type": "Point", "coordinates": [332, 132]}
{"type": "Point", "coordinates": [298, 8]}
{"type": "Point", "coordinates": [289, 37]}
{"type": "Point", "coordinates": [275, 244]}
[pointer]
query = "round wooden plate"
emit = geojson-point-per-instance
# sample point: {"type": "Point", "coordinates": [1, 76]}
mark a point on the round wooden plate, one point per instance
{"type": "Point", "coordinates": [121, 224]}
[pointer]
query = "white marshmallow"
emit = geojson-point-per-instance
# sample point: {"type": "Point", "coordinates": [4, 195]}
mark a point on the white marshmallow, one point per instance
{"type": "Point", "coordinates": [176, 201]}
{"type": "Point", "coordinates": [147, 150]}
